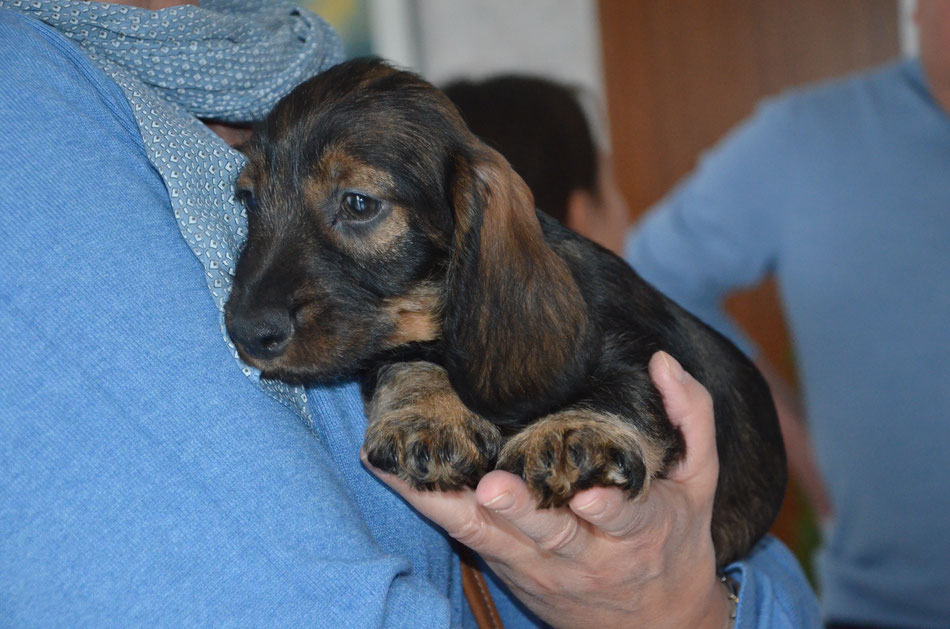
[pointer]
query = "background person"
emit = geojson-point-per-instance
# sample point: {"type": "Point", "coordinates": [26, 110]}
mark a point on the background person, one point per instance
{"type": "Point", "coordinates": [842, 192]}
{"type": "Point", "coordinates": [541, 128]}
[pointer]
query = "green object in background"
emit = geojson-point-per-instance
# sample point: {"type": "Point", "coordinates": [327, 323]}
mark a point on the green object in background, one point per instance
{"type": "Point", "coordinates": [807, 541]}
{"type": "Point", "coordinates": [350, 18]}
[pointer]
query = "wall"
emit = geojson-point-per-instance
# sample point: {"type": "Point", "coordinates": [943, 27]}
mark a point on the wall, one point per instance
{"type": "Point", "coordinates": [446, 39]}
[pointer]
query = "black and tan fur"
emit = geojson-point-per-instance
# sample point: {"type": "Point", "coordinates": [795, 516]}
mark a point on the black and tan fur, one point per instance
{"type": "Point", "coordinates": [485, 334]}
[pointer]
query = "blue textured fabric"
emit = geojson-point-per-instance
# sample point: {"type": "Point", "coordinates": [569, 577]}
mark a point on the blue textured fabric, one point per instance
{"type": "Point", "coordinates": [229, 61]}
{"type": "Point", "coordinates": [146, 481]}
{"type": "Point", "coordinates": [843, 191]}
{"type": "Point", "coordinates": [773, 594]}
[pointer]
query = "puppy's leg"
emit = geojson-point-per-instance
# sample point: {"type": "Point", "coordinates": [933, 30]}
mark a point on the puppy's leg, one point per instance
{"type": "Point", "coordinates": [578, 448]}
{"type": "Point", "coordinates": [420, 430]}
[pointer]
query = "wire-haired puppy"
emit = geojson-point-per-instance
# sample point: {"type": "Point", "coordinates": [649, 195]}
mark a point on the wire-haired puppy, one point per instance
{"type": "Point", "coordinates": [386, 241]}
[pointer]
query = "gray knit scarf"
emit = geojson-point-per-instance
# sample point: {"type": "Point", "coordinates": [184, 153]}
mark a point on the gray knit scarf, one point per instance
{"type": "Point", "coordinates": [225, 60]}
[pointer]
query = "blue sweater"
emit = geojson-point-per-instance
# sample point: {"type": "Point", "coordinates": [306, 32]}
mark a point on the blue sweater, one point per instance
{"type": "Point", "coordinates": [145, 480]}
{"type": "Point", "coordinates": [843, 192]}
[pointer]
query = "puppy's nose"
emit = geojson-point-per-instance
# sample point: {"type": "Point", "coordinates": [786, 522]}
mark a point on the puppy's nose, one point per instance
{"type": "Point", "coordinates": [263, 333]}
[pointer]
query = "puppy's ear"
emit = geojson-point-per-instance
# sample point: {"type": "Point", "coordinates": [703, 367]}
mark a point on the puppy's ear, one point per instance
{"type": "Point", "coordinates": [515, 321]}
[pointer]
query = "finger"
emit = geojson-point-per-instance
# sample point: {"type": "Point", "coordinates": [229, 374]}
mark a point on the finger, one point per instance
{"type": "Point", "coordinates": [553, 530]}
{"type": "Point", "coordinates": [609, 509]}
{"type": "Point", "coordinates": [690, 408]}
{"type": "Point", "coordinates": [456, 512]}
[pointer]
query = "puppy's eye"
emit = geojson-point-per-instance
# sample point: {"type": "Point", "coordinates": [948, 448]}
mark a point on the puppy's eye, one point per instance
{"type": "Point", "coordinates": [359, 206]}
{"type": "Point", "coordinates": [246, 197]}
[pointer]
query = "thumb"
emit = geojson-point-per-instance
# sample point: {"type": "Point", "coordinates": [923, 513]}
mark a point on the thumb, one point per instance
{"type": "Point", "coordinates": [689, 408]}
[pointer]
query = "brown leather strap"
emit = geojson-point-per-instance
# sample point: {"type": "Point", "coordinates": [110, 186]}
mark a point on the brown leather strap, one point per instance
{"type": "Point", "coordinates": [476, 591]}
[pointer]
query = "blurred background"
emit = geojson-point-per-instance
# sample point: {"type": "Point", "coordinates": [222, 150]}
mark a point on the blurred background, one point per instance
{"type": "Point", "coordinates": [665, 80]}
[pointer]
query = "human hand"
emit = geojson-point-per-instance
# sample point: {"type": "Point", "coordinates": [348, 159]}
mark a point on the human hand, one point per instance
{"type": "Point", "coordinates": [604, 560]}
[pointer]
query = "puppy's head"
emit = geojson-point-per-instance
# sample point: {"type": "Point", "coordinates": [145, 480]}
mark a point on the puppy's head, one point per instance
{"type": "Point", "coordinates": [376, 219]}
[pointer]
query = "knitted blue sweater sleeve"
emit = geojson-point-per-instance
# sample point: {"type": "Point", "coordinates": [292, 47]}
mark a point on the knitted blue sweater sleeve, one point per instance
{"type": "Point", "coordinates": [145, 480]}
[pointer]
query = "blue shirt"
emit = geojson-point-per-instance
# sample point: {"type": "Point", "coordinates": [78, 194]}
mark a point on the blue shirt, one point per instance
{"type": "Point", "coordinates": [843, 192]}
{"type": "Point", "coordinates": [146, 480]}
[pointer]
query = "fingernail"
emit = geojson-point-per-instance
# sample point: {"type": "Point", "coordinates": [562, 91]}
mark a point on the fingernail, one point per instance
{"type": "Point", "coordinates": [501, 501]}
{"type": "Point", "coordinates": [674, 368]}
{"type": "Point", "coordinates": [594, 507]}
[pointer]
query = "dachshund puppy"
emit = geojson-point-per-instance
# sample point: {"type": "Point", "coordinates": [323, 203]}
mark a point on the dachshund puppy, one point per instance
{"type": "Point", "coordinates": [387, 242]}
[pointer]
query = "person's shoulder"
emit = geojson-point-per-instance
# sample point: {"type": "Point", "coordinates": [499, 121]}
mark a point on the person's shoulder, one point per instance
{"type": "Point", "coordinates": [22, 38]}
{"type": "Point", "coordinates": [12, 23]}
{"type": "Point", "coordinates": [835, 101]}
{"type": "Point", "coordinates": [877, 81]}
{"type": "Point", "coordinates": [38, 62]}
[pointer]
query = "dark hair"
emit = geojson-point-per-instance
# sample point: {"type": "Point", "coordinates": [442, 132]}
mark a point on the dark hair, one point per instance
{"type": "Point", "coordinates": [540, 128]}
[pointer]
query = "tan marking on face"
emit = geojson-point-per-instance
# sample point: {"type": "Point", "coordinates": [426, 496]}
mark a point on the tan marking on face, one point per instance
{"type": "Point", "coordinates": [416, 316]}
{"type": "Point", "coordinates": [252, 177]}
{"type": "Point", "coordinates": [244, 181]}
{"type": "Point", "coordinates": [337, 173]}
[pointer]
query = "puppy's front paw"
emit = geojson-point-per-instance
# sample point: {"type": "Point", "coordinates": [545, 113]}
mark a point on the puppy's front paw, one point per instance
{"type": "Point", "coordinates": [432, 454]}
{"type": "Point", "coordinates": [421, 432]}
{"type": "Point", "coordinates": [577, 449]}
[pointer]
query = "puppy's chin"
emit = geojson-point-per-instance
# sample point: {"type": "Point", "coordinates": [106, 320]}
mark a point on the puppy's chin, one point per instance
{"type": "Point", "coordinates": [304, 376]}
{"type": "Point", "coordinates": [285, 369]}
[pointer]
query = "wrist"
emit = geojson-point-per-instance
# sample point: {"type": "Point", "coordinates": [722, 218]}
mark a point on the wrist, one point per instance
{"type": "Point", "coordinates": [715, 606]}
{"type": "Point", "coordinates": [720, 609]}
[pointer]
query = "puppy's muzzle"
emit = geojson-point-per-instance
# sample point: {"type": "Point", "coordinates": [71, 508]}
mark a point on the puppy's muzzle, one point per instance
{"type": "Point", "coordinates": [261, 333]}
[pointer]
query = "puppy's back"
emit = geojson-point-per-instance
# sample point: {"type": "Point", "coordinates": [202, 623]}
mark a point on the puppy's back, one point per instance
{"type": "Point", "coordinates": [636, 320]}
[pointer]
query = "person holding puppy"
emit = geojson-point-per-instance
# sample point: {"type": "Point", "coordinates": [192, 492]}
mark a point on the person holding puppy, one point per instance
{"type": "Point", "coordinates": [841, 190]}
{"type": "Point", "coordinates": [152, 479]}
